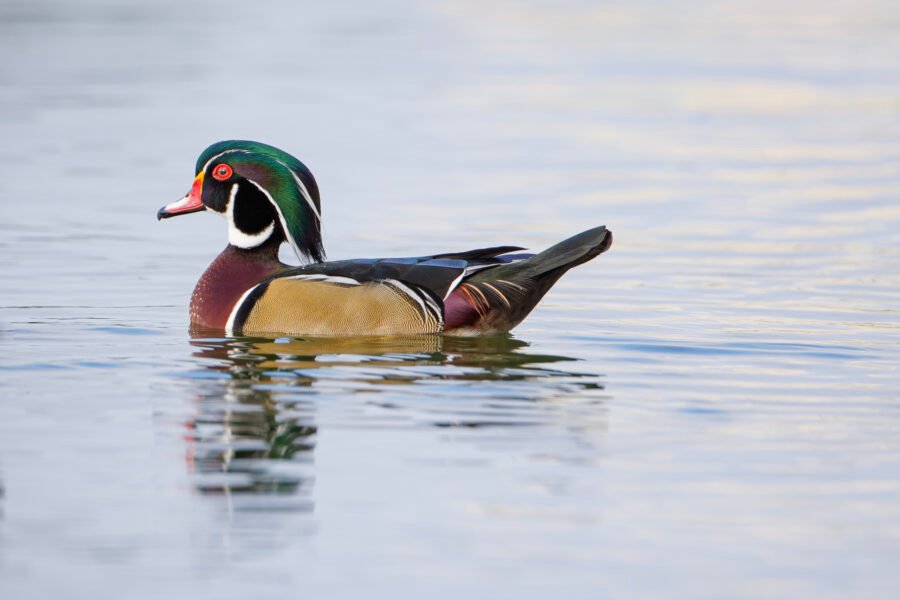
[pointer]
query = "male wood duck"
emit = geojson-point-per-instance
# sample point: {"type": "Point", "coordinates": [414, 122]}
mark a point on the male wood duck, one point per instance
{"type": "Point", "coordinates": [268, 197]}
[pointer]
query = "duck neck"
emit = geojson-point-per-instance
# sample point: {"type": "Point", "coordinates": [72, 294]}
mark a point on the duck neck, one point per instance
{"type": "Point", "coordinates": [229, 276]}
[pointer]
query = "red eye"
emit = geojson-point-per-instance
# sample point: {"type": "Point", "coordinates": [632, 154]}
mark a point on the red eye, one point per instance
{"type": "Point", "coordinates": [222, 172]}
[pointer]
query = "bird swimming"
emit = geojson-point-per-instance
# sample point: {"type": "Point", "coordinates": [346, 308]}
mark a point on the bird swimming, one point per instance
{"type": "Point", "coordinates": [268, 198]}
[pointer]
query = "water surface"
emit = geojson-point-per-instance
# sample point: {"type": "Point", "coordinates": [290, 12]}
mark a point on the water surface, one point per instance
{"type": "Point", "coordinates": [711, 409]}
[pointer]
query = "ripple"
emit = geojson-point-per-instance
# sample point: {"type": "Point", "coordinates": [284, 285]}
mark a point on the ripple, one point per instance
{"type": "Point", "coordinates": [259, 402]}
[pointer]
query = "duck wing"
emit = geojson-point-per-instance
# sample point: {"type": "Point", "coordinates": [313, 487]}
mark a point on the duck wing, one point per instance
{"type": "Point", "coordinates": [368, 296]}
{"type": "Point", "coordinates": [439, 274]}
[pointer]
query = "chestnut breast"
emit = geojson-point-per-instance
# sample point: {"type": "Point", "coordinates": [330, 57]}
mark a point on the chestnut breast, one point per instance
{"type": "Point", "coordinates": [231, 274]}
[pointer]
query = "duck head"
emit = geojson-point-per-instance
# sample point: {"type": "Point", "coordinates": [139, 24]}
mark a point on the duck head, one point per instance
{"type": "Point", "coordinates": [262, 192]}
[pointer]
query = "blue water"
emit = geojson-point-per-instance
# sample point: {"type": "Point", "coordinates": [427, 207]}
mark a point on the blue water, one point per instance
{"type": "Point", "coordinates": [709, 410]}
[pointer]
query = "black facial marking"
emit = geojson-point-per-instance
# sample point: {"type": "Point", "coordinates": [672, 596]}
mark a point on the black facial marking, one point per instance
{"type": "Point", "coordinates": [215, 194]}
{"type": "Point", "coordinates": [252, 211]}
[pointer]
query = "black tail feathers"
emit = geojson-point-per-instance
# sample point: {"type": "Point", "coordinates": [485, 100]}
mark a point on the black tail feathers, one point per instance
{"type": "Point", "coordinates": [507, 293]}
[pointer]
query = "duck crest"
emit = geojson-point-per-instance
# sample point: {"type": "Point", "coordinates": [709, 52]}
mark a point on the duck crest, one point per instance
{"type": "Point", "coordinates": [231, 274]}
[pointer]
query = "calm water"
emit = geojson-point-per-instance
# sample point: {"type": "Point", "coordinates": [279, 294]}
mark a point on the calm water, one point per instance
{"type": "Point", "coordinates": [712, 409]}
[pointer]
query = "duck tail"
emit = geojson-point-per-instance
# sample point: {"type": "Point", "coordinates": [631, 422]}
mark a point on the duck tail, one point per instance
{"type": "Point", "coordinates": [496, 299]}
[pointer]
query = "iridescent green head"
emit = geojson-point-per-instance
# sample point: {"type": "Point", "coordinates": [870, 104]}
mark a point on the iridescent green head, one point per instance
{"type": "Point", "coordinates": [262, 192]}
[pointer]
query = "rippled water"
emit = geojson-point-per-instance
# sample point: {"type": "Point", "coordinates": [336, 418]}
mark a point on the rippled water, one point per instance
{"type": "Point", "coordinates": [711, 409]}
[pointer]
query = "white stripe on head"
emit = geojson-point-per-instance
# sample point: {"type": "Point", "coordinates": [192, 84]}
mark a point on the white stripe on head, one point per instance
{"type": "Point", "coordinates": [300, 185]}
{"type": "Point", "coordinates": [220, 154]}
{"type": "Point", "coordinates": [284, 227]}
{"type": "Point", "coordinates": [304, 192]}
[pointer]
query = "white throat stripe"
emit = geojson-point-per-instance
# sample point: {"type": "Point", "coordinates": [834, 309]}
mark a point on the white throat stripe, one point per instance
{"type": "Point", "coordinates": [238, 238]}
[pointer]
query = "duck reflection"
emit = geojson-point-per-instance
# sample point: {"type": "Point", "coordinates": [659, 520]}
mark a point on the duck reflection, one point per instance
{"type": "Point", "coordinates": [239, 431]}
{"type": "Point", "coordinates": [255, 423]}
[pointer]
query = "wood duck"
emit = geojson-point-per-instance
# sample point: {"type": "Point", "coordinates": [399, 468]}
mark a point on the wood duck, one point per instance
{"type": "Point", "coordinates": [268, 197]}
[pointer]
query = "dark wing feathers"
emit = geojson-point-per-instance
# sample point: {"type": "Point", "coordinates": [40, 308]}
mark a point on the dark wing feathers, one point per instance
{"type": "Point", "coordinates": [481, 291]}
{"type": "Point", "coordinates": [479, 253]}
{"type": "Point", "coordinates": [438, 273]}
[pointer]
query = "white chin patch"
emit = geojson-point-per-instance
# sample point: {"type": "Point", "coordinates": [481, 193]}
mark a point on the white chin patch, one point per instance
{"type": "Point", "coordinates": [238, 238]}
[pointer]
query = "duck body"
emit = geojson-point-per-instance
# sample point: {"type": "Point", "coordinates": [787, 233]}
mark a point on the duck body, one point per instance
{"type": "Point", "coordinates": [269, 198]}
